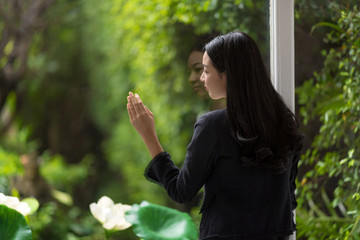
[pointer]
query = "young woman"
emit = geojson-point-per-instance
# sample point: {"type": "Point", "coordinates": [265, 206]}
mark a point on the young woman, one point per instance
{"type": "Point", "coordinates": [196, 69]}
{"type": "Point", "coordinates": [246, 155]}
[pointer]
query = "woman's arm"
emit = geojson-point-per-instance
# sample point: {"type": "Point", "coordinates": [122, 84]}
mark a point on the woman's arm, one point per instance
{"type": "Point", "coordinates": [181, 184]}
{"type": "Point", "coordinates": [143, 121]}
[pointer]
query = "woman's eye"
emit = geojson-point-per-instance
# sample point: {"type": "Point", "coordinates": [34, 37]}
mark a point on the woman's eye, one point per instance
{"type": "Point", "coordinates": [198, 70]}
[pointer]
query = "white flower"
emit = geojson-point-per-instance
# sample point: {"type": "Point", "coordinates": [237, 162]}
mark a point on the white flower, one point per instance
{"type": "Point", "coordinates": [112, 216]}
{"type": "Point", "coordinates": [14, 203]}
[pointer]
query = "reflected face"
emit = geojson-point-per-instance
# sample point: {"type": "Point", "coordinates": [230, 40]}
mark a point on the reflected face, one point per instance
{"type": "Point", "coordinates": [196, 68]}
{"type": "Point", "coordinates": [214, 82]}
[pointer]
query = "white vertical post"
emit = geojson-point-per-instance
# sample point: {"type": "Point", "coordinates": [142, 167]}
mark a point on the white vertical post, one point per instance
{"type": "Point", "coordinates": [282, 56]}
{"type": "Point", "coordinates": [282, 53]}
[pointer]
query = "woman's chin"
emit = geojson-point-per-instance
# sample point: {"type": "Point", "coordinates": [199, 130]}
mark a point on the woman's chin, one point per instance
{"type": "Point", "coordinates": [201, 93]}
{"type": "Point", "coordinates": [216, 97]}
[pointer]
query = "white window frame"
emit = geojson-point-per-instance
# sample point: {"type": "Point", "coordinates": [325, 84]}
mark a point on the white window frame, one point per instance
{"type": "Point", "coordinates": [282, 53]}
{"type": "Point", "coordinates": [282, 56]}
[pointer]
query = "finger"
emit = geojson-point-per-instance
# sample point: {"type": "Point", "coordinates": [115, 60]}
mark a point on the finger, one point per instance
{"type": "Point", "coordinates": [132, 107]}
{"type": "Point", "coordinates": [139, 106]}
{"type": "Point", "coordinates": [129, 111]}
{"type": "Point", "coordinates": [132, 102]}
{"type": "Point", "coordinates": [131, 116]}
{"type": "Point", "coordinates": [130, 98]}
{"type": "Point", "coordinates": [149, 112]}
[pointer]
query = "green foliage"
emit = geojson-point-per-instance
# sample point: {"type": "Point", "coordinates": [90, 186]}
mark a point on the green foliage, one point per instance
{"type": "Point", "coordinates": [56, 222]}
{"type": "Point", "coordinates": [13, 145]}
{"type": "Point", "coordinates": [333, 97]}
{"type": "Point", "coordinates": [9, 163]}
{"type": "Point", "coordinates": [13, 225]}
{"type": "Point", "coordinates": [53, 168]}
{"type": "Point", "coordinates": [308, 12]}
{"type": "Point", "coordinates": [154, 222]}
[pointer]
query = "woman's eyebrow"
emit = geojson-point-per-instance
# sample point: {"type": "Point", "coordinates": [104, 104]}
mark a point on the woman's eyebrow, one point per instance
{"type": "Point", "coordinates": [196, 64]}
{"type": "Point", "coordinates": [205, 65]}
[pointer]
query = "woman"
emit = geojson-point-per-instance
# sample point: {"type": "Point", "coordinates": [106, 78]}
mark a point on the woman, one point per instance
{"type": "Point", "coordinates": [196, 69]}
{"type": "Point", "coordinates": [245, 155]}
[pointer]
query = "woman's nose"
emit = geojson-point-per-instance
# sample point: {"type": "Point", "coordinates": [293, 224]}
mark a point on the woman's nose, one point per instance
{"type": "Point", "coordinates": [193, 77]}
{"type": "Point", "coordinates": [202, 77]}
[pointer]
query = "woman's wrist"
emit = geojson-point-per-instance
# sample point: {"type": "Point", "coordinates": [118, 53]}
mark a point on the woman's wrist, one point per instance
{"type": "Point", "coordinates": [153, 145]}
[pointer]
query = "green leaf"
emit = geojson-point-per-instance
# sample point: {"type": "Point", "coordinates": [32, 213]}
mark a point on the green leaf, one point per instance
{"type": "Point", "coordinates": [62, 197]}
{"type": "Point", "coordinates": [33, 204]}
{"type": "Point", "coordinates": [155, 222]}
{"type": "Point", "coordinates": [343, 161]}
{"type": "Point", "coordinates": [13, 225]}
{"type": "Point", "coordinates": [326, 24]}
{"type": "Point", "coordinates": [344, 74]}
{"type": "Point", "coordinates": [351, 153]}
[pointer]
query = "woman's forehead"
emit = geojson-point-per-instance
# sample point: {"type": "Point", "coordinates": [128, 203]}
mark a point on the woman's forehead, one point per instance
{"type": "Point", "coordinates": [195, 57]}
{"type": "Point", "coordinates": [206, 60]}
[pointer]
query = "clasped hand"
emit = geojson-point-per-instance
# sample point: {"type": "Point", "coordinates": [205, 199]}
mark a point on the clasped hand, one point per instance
{"type": "Point", "coordinates": [143, 121]}
{"type": "Point", "coordinates": [141, 117]}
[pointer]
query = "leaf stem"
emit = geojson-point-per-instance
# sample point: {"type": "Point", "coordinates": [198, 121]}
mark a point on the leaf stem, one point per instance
{"type": "Point", "coordinates": [353, 230]}
{"type": "Point", "coordinates": [107, 234]}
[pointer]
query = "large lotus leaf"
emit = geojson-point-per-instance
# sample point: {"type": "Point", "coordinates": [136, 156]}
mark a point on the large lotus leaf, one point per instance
{"type": "Point", "coordinates": [154, 222]}
{"type": "Point", "coordinates": [13, 225]}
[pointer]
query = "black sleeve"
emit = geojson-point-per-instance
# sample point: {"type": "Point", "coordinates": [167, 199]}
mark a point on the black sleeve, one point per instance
{"type": "Point", "coordinates": [293, 174]}
{"type": "Point", "coordinates": [182, 185]}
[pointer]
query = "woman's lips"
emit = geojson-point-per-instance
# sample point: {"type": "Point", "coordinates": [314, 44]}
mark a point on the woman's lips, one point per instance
{"type": "Point", "coordinates": [197, 87]}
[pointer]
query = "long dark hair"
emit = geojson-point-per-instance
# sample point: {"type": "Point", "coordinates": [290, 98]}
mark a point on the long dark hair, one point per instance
{"type": "Point", "coordinates": [257, 115]}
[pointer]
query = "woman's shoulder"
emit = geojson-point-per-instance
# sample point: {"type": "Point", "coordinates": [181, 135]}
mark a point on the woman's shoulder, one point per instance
{"type": "Point", "coordinates": [213, 119]}
{"type": "Point", "coordinates": [214, 116]}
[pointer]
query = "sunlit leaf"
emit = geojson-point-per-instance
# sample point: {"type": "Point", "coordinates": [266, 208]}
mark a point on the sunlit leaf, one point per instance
{"type": "Point", "coordinates": [154, 222]}
{"type": "Point", "coordinates": [13, 225]}
{"type": "Point", "coordinates": [33, 204]}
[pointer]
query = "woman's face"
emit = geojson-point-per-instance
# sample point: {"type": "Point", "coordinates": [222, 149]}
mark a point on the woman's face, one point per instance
{"type": "Point", "coordinates": [214, 82]}
{"type": "Point", "coordinates": [196, 68]}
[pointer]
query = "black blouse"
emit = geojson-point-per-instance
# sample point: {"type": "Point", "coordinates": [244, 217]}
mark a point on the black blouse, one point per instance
{"type": "Point", "coordinates": [240, 202]}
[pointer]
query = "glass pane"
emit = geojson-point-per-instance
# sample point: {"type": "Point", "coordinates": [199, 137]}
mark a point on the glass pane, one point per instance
{"type": "Point", "coordinates": [65, 72]}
